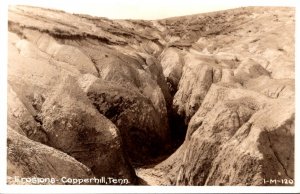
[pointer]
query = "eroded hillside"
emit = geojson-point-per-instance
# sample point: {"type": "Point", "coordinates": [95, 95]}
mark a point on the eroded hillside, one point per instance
{"type": "Point", "coordinates": [204, 99]}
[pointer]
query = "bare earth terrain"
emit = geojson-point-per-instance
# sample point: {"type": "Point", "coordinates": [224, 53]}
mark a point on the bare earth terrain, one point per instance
{"type": "Point", "coordinates": [204, 99]}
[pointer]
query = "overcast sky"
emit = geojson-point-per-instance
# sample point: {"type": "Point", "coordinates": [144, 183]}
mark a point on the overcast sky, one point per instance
{"type": "Point", "coordinates": [142, 9]}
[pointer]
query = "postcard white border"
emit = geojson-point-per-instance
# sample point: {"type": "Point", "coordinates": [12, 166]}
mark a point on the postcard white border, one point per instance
{"type": "Point", "coordinates": [136, 189]}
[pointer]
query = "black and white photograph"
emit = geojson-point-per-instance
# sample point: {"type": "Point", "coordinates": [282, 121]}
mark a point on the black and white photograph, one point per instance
{"type": "Point", "coordinates": [151, 94]}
